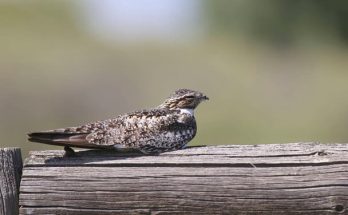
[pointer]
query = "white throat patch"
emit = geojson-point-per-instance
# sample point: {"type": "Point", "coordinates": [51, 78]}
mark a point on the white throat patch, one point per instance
{"type": "Point", "coordinates": [187, 111]}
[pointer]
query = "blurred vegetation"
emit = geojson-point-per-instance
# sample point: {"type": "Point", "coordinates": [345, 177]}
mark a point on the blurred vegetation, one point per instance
{"type": "Point", "coordinates": [276, 71]}
{"type": "Point", "coordinates": [281, 22]}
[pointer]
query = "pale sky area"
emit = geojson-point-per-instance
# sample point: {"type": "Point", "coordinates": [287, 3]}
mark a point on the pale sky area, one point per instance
{"type": "Point", "coordinates": [123, 20]}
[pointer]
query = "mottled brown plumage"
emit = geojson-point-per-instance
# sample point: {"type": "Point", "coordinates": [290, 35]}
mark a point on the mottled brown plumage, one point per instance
{"type": "Point", "coordinates": [168, 127]}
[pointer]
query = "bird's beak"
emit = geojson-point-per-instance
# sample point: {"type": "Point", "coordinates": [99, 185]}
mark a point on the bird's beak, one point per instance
{"type": "Point", "coordinates": [205, 98]}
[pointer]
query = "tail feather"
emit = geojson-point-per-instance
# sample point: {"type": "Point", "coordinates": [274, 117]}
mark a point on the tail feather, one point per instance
{"type": "Point", "coordinates": [62, 139]}
{"type": "Point", "coordinates": [52, 135]}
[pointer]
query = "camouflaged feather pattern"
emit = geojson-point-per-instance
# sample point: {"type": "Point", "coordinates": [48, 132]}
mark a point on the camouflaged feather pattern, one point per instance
{"type": "Point", "coordinates": [170, 126]}
{"type": "Point", "coordinates": [148, 130]}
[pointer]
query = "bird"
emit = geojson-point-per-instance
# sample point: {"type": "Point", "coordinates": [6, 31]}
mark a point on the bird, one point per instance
{"type": "Point", "coordinates": [167, 127]}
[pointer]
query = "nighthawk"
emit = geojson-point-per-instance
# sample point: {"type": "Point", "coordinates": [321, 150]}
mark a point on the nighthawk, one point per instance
{"type": "Point", "coordinates": [170, 126]}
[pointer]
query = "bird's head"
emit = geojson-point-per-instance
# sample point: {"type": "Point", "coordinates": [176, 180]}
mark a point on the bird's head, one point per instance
{"type": "Point", "coordinates": [184, 99]}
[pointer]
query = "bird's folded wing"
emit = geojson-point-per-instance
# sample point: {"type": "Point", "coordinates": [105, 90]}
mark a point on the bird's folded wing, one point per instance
{"type": "Point", "coordinates": [124, 130]}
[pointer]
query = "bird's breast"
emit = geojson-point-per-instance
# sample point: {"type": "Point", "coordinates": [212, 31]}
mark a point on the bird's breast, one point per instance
{"type": "Point", "coordinates": [183, 135]}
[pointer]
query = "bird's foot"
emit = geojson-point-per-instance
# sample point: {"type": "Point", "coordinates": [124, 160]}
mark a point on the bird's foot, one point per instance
{"type": "Point", "coordinates": [69, 152]}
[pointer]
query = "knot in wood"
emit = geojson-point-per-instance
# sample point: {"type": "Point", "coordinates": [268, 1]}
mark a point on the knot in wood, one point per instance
{"type": "Point", "coordinates": [339, 208]}
{"type": "Point", "coordinates": [321, 153]}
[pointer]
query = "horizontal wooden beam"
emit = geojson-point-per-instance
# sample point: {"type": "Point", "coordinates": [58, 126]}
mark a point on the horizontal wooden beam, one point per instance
{"type": "Point", "coordinates": [310, 178]}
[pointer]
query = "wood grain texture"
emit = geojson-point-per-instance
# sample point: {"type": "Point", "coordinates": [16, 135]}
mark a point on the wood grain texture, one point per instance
{"type": "Point", "coordinates": [298, 178]}
{"type": "Point", "coordinates": [10, 176]}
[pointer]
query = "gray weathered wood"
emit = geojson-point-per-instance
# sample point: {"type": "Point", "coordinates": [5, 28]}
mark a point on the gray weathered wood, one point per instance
{"type": "Point", "coordinates": [10, 176]}
{"type": "Point", "coordinates": [299, 178]}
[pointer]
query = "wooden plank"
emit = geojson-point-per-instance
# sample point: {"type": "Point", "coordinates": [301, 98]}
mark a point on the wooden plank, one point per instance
{"type": "Point", "coordinates": [10, 174]}
{"type": "Point", "coordinates": [245, 155]}
{"type": "Point", "coordinates": [300, 178]}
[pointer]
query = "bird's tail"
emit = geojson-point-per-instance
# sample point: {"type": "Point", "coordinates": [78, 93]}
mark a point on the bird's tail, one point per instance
{"type": "Point", "coordinates": [60, 138]}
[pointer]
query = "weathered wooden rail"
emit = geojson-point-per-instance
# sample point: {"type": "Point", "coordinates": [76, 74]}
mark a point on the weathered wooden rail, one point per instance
{"type": "Point", "coordinates": [300, 178]}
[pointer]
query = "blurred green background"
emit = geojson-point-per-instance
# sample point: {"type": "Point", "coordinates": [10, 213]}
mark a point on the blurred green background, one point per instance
{"type": "Point", "coordinates": [276, 71]}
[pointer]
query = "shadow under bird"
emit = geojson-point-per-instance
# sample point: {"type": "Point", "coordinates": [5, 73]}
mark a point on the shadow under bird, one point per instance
{"type": "Point", "coordinates": [168, 127]}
